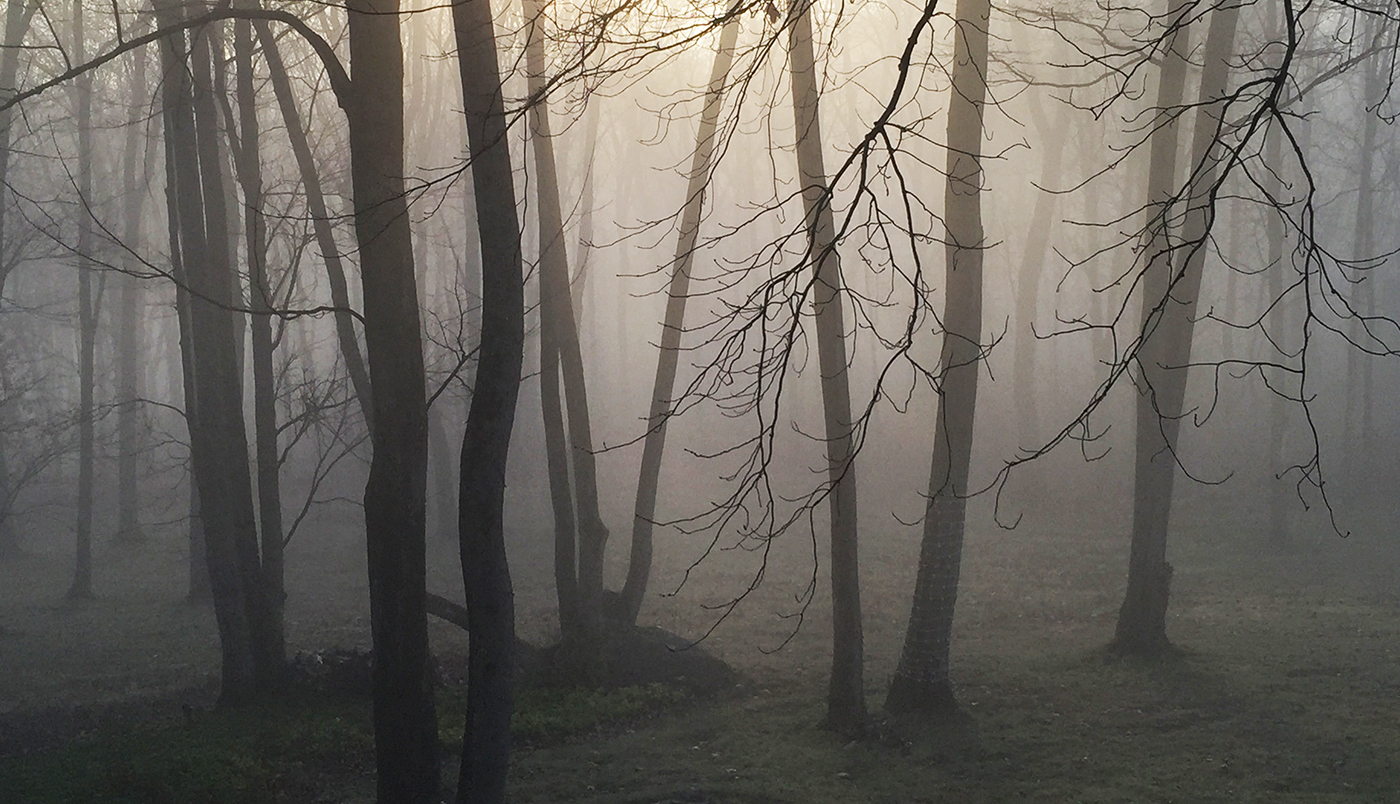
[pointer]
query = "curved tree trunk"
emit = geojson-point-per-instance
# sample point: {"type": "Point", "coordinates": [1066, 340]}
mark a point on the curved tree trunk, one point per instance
{"type": "Point", "coordinates": [440, 452]}
{"type": "Point", "coordinates": [921, 682]}
{"type": "Point", "coordinates": [486, 441]}
{"type": "Point", "coordinates": [845, 703]}
{"type": "Point", "coordinates": [405, 718]}
{"type": "Point", "coordinates": [663, 387]}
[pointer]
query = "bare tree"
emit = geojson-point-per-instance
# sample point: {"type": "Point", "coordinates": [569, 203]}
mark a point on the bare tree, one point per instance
{"type": "Point", "coordinates": [129, 322]}
{"type": "Point", "coordinates": [218, 442]}
{"type": "Point", "coordinates": [491, 417]}
{"type": "Point", "coordinates": [921, 681]}
{"type": "Point", "coordinates": [1168, 323]}
{"type": "Point", "coordinates": [405, 721]}
{"type": "Point", "coordinates": [246, 143]}
{"type": "Point", "coordinates": [320, 216]}
{"type": "Point", "coordinates": [18, 14]}
{"type": "Point", "coordinates": [846, 694]}
{"type": "Point", "coordinates": [88, 303]}
{"type": "Point", "coordinates": [572, 465]}
{"type": "Point", "coordinates": [672, 327]}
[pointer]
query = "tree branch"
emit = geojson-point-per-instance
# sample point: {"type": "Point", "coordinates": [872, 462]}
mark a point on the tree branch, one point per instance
{"type": "Point", "coordinates": [340, 80]}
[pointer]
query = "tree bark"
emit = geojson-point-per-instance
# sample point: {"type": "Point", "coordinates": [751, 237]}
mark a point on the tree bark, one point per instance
{"type": "Point", "coordinates": [218, 443]}
{"type": "Point", "coordinates": [444, 476]}
{"type": "Point", "coordinates": [405, 721]}
{"type": "Point", "coordinates": [1172, 288]}
{"type": "Point", "coordinates": [921, 682]}
{"type": "Point", "coordinates": [232, 221]}
{"type": "Point", "coordinates": [560, 350]}
{"type": "Point", "coordinates": [130, 326]}
{"type": "Point", "coordinates": [248, 161]}
{"type": "Point", "coordinates": [486, 441]}
{"type": "Point", "coordinates": [579, 285]}
{"type": "Point", "coordinates": [663, 387]}
{"type": "Point", "coordinates": [572, 614]}
{"type": "Point", "coordinates": [87, 317]}
{"type": "Point", "coordinates": [845, 710]}
{"type": "Point", "coordinates": [18, 14]}
{"type": "Point", "coordinates": [561, 496]}
{"type": "Point", "coordinates": [1280, 498]}
{"type": "Point", "coordinates": [1360, 404]}
{"type": "Point", "coordinates": [176, 126]}
{"type": "Point", "coordinates": [1149, 575]}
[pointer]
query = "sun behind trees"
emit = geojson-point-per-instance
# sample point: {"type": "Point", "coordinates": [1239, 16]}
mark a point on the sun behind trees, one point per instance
{"type": "Point", "coordinates": [750, 260]}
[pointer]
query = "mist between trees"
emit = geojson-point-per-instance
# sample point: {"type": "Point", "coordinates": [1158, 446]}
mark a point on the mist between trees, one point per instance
{"type": "Point", "coordinates": [634, 276]}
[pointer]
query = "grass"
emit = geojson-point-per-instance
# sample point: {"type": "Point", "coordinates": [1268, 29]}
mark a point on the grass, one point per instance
{"type": "Point", "coordinates": [284, 751]}
{"type": "Point", "coordinates": [1286, 688]}
{"type": "Point", "coordinates": [1079, 726]}
{"type": "Point", "coordinates": [260, 754]}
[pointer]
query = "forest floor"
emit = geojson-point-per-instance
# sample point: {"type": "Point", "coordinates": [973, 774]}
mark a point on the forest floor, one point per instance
{"type": "Point", "coordinates": [1285, 688]}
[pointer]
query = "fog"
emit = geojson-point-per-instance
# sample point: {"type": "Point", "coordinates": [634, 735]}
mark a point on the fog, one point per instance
{"type": "Point", "coordinates": [1108, 288]}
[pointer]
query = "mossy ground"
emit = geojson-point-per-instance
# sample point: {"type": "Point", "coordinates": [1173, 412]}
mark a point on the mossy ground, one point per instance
{"type": "Point", "coordinates": [1284, 688]}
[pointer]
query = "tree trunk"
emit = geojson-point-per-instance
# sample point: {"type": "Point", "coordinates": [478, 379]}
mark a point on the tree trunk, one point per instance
{"type": "Point", "coordinates": [218, 443]}
{"type": "Point", "coordinates": [272, 640]}
{"type": "Point", "coordinates": [1280, 498]}
{"type": "Point", "coordinates": [486, 441]}
{"type": "Point", "coordinates": [444, 477]}
{"type": "Point", "coordinates": [845, 705]}
{"type": "Point", "coordinates": [201, 588]}
{"type": "Point", "coordinates": [320, 220]}
{"type": "Point", "coordinates": [18, 14]}
{"type": "Point", "coordinates": [559, 349]}
{"type": "Point", "coordinates": [921, 682]}
{"type": "Point", "coordinates": [552, 260]}
{"type": "Point", "coordinates": [663, 387]}
{"type": "Point", "coordinates": [129, 324]}
{"type": "Point", "coordinates": [405, 721]}
{"type": "Point", "coordinates": [1149, 575]}
{"type": "Point", "coordinates": [87, 317]}
{"type": "Point", "coordinates": [579, 284]}
{"type": "Point", "coordinates": [561, 495]}
{"type": "Point", "coordinates": [1032, 269]}
{"type": "Point", "coordinates": [1237, 228]}
{"type": "Point", "coordinates": [1359, 398]}
{"type": "Point", "coordinates": [226, 491]}
{"type": "Point", "coordinates": [232, 222]}
{"type": "Point", "coordinates": [174, 97]}
{"type": "Point", "coordinates": [1168, 320]}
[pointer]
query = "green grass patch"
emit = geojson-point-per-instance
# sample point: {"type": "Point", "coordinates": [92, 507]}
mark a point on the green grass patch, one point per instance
{"type": "Point", "coordinates": [262, 754]}
{"type": "Point", "coordinates": [290, 751]}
